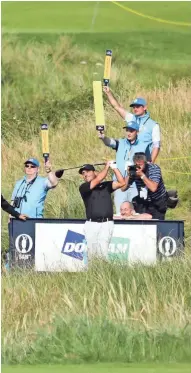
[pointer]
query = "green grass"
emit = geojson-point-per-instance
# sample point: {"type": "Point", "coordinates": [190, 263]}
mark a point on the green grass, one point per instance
{"type": "Point", "coordinates": [102, 368]}
{"type": "Point", "coordinates": [129, 35]}
{"type": "Point", "coordinates": [64, 318]}
{"type": "Point", "coordinates": [77, 16]}
{"type": "Point", "coordinates": [111, 313]}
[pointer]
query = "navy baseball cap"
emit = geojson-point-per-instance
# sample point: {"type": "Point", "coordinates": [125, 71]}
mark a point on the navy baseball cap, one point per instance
{"type": "Point", "coordinates": [132, 125]}
{"type": "Point", "coordinates": [139, 101]}
{"type": "Point", "coordinates": [33, 161]}
{"type": "Point", "coordinates": [86, 167]}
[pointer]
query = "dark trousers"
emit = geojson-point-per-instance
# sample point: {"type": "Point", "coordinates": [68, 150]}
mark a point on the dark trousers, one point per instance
{"type": "Point", "coordinates": [156, 208]}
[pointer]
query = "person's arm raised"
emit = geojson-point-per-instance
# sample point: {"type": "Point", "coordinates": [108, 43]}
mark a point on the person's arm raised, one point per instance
{"type": "Point", "coordinates": [100, 176]}
{"type": "Point", "coordinates": [53, 180]}
{"type": "Point", "coordinates": [120, 179]}
{"type": "Point", "coordinates": [126, 184]}
{"type": "Point", "coordinates": [108, 141]}
{"type": "Point", "coordinates": [120, 109]}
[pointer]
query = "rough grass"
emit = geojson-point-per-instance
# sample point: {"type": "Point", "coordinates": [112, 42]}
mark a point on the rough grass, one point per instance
{"type": "Point", "coordinates": [143, 313]}
{"type": "Point", "coordinates": [47, 83]}
{"type": "Point", "coordinates": [110, 313]}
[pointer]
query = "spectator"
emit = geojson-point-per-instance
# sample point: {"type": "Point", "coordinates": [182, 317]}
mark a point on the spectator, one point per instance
{"type": "Point", "coordinates": [149, 130]}
{"type": "Point", "coordinates": [30, 192]}
{"type": "Point", "coordinates": [127, 212]}
{"type": "Point", "coordinates": [125, 149]}
{"type": "Point", "coordinates": [152, 195]}
{"type": "Point", "coordinates": [96, 195]}
{"type": "Point", "coordinates": [10, 210]}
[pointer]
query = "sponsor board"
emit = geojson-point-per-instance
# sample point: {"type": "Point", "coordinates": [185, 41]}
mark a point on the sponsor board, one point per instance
{"type": "Point", "coordinates": [47, 244]}
{"type": "Point", "coordinates": [64, 246]}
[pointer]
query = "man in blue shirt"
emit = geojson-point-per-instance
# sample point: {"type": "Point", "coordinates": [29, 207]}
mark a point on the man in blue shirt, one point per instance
{"type": "Point", "coordinates": [149, 130]}
{"type": "Point", "coordinates": [30, 192]}
{"type": "Point", "coordinates": [125, 149]}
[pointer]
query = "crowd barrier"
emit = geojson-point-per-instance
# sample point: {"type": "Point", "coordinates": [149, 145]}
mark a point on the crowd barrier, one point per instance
{"type": "Point", "coordinates": [59, 244]}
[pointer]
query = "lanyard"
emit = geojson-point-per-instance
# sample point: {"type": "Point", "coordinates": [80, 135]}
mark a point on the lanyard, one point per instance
{"type": "Point", "coordinates": [128, 152]}
{"type": "Point", "coordinates": [27, 188]}
{"type": "Point", "coordinates": [142, 125]}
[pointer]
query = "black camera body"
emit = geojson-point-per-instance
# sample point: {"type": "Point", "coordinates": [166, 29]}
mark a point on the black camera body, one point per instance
{"type": "Point", "coordinates": [132, 171]}
{"type": "Point", "coordinates": [17, 201]}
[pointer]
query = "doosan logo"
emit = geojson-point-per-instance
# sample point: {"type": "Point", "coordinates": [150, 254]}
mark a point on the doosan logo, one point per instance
{"type": "Point", "coordinates": [74, 245]}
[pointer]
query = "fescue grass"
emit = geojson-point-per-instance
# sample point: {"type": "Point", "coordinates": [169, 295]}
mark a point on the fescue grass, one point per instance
{"type": "Point", "coordinates": [110, 312]}
{"type": "Point", "coordinates": [47, 83]}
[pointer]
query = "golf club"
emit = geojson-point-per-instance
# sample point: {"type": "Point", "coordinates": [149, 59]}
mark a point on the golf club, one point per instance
{"type": "Point", "coordinates": [60, 172]}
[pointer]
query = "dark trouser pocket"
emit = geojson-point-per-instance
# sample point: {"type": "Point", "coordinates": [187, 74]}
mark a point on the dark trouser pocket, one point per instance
{"type": "Point", "coordinates": [158, 209]}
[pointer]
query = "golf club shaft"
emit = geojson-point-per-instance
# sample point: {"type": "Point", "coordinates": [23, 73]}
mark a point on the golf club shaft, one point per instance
{"type": "Point", "coordinates": [72, 168]}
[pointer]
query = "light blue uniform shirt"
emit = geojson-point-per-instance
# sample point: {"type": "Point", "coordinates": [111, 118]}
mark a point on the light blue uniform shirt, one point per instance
{"type": "Point", "coordinates": [149, 130]}
{"type": "Point", "coordinates": [125, 151]}
{"type": "Point", "coordinates": [35, 192]}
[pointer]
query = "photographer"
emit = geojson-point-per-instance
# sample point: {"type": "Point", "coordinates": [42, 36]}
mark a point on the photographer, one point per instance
{"type": "Point", "coordinates": [125, 149]}
{"type": "Point", "coordinates": [30, 192]}
{"type": "Point", "coordinates": [152, 195]}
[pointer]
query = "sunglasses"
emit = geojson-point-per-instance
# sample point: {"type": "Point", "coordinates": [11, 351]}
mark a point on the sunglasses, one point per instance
{"type": "Point", "coordinates": [130, 130]}
{"type": "Point", "coordinates": [136, 106]}
{"type": "Point", "coordinates": [30, 166]}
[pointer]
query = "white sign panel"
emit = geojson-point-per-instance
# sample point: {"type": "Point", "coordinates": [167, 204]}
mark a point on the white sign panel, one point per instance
{"type": "Point", "coordinates": [62, 247]}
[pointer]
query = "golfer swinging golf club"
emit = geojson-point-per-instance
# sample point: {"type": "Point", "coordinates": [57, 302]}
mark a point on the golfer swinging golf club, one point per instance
{"type": "Point", "coordinates": [96, 195]}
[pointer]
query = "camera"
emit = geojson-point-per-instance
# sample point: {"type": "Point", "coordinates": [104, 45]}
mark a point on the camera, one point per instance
{"type": "Point", "coordinates": [132, 171]}
{"type": "Point", "coordinates": [17, 201]}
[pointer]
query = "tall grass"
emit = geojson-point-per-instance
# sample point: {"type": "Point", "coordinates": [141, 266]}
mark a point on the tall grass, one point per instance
{"type": "Point", "coordinates": [111, 312]}
{"type": "Point", "coordinates": [133, 311]}
{"type": "Point", "coordinates": [46, 83]}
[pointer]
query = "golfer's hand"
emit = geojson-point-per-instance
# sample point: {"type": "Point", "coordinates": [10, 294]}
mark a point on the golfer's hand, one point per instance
{"type": "Point", "coordinates": [48, 166]}
{"type": "Point", "coordinates": [59, 173]}
{"type": "Point", "coordinates": [101, 134]}
{"type": "Point", "coordinates": [23, 217]}
{"type": "Point", "coordinates": [106, 89]}
{"type": "Point", "coordinates": [112, 165]}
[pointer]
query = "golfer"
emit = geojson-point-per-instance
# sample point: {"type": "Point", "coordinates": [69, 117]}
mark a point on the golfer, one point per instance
{"type": "Point", "coordinates": [96, 195]}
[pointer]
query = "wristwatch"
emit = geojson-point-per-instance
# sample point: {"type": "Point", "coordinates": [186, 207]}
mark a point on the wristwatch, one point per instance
{"type": "Point", "coordinates": [142, 177]}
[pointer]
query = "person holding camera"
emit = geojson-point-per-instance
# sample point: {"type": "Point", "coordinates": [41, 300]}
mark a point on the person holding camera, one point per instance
{"type": "Point", "coordinates": [152, 195]}
{"type": "Point", "coordinates": [125, 149]}
{"type": "Point", "coordinates": [149, 130]}
{"type": "Point", "coordinates": [30, 192]}
{"type": "Point", "coordinates": [96, 195]}
{"type": "Point", "coordinates": [10, 209]}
